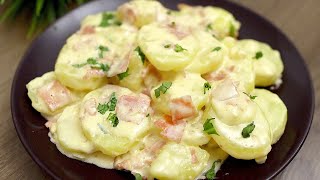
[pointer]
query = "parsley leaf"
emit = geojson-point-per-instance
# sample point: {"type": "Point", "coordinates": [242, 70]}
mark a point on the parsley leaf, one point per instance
{"type": "Point", "coordinates": [92, 61]}
{"type": "Point", "coordinates": [101, 50]}
{"type": "Point", "coordinates": [123, 75]}
{"type": "Point", "coordinates": [112, 102]}
{"type": "Point", "coordinates": [211, 174]}
{"type": "Point", "coordinates": [112, 117]}
{"type": "Point", "coordinates": [79, 65]}
{"type": "Point", "coordinates": [232, 30]}
{"type": "Point", "coordinates": [137, 176]}
{"type": "Point", "coordinates": [209, 27]}
{"type": "Point", "coordinates": [167, 46]}
{"type": "Point", "coordinates": [247, 130]}
{"type": "Point", "coordinates": [178, 48]}
{"type": "Point", "coordinates": [102, 128]}
{"type": "Point", "coordinates": [216, 49]}
{"type": "Point", "coordinates": [102, 108]}
{"type": "Point", "coordinates": [250, 96]}
{"type": "Point", "coordinates": [141, 54]}
{"type": "Point", "coordinates": [206, 87]}
{"type": "Point", "coordinates": [209, 128]}
{"type": "Point", "coordinates": [109, 19]}
{"type": "Point", "coordinates": [163, 88]}
{"type": "Point", "coordinates": [258, 55]}
{"type": "Point", "coordinates": [94, 64]}
{"type": "Point", "coordinates": [147, 115]}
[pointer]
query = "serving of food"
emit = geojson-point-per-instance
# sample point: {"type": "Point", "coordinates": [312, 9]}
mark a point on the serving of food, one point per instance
{"type": "Point", "coordinates": [161, 93]}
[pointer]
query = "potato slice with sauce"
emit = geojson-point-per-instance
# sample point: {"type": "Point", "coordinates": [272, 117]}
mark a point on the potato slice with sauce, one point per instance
{"type": "Point", "coordinates": [109, 136]}
{"type": "Point", "coordinates": [49, 96]}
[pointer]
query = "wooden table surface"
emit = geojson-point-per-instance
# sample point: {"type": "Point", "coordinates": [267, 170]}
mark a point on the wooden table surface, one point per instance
{"type": "Point", "coordinates": [298, 19]}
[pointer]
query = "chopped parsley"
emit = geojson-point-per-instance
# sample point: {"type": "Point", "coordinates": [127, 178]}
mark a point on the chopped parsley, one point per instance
{"type": "Point", "coordinates": [112, 102]}
{"type": "Point", "coordinates": [173, 24]}
{"type": "Point", "coordinates": [211, 174]}
{"type": "Point", "coordinates": [216, 49]}
{"type": "Point", "coordinates": [110, 106]}
{"type": "Point", "coordinates": [123, 75]}
{"type": "Point", "coordinates": [250, 96]}
{"type": "Point", "coordinates": [147, 115]}
{"type": "Point", "coordinates": [102, 128]}
{"type": "Point", "coordinates": [169, 12]}
{"type": "Point", "coordinates": [137, 176]}
{"type": "Point", "coordinates": [102, 108]}
{"type": "Point", "coordinates": [206, 87]}
{"type": "Point", "coordinates": [163, 88]}
{"type": "Point", "coordinates": [167, 46]}
{"type": "Point", "coordinates": [141, 54]}
{"type": "Point", "coordinates": [112, 117]}
{"type": "Point", "coordinates": [247, 130]}
{"type": "Point", "coordinates": [209, 27]}
{"type": "Point", "coordinates": [102, 49]}
{"type": "Point", "coordinates": [232, 30]}
{"type": "Point", "coordinates": [109, 19]}
{"type": "Point", "coordinates": [178, 48]}
{"type": "Point", "coordinates": [258, 55]}
{"type": "Point", "coordinates": [209, 128]}
{"type": "Point", "coordinates": [93, 64]}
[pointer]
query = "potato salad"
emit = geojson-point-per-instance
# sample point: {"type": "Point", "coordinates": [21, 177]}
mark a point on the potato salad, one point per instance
{"type": "Point", "coordinates": [164, 94]}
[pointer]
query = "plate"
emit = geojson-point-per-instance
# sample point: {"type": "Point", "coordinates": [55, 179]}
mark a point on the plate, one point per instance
{"type": "Point", "coordinates": [296, 92]}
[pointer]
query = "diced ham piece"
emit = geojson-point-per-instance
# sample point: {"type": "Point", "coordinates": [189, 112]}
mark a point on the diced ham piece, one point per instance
{"type": "Point", "coordinates": [194, 158]}
{"type": "Point", "coordinates": [173, 132]}
{"type": "Point", "coordinates": [127, 12]}
{"type": "Point", "coordinates": [179, 32]}
{"type": "Point", "coordinates": [55, 95]}
{"type": "Point", "coordinates": [181, 108]}
{"type": "Point", "coordinates": [90, 107]}
{"type": "Point", "coordinates": [88, 30]}
{"type": "Point", "coordinates": [92, 73]}
{"type": "Point", "coordinates": [132, 108]}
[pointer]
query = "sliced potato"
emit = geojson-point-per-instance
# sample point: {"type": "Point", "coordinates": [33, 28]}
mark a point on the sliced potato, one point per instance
{"type": "Point", "coordinates": [167, 46]}
{"type": "Point", "coordinates": [73, 68]}
{"type": "Point", "coordinates": [185, 84]}
{"type": "Point", "coordinates": [274, 110]}
{"type": "Point", "coordinates": [209, 56]}
{"type": "Point", "coordinates": [108, 136]}
{"type": "Point", "coordinates": [268, 65]}
{"type": "Point", "coordinates": [69, 131]}
{"type": "Point", "coordinates": [179, 161]}
{"type": "Point", "coordinates": [49, 96]}
{"type": "Point", "coordinates": [142, 12]}
{"type": "Point", "coordinates": [240, 111]}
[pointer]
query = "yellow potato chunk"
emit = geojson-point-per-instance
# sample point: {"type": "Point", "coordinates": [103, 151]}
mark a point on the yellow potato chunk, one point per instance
{"type": "Point", "coordinates": [167, 46]}
{"type": "Point", "coordinates": [274, 110]}
{"type": "Point", "coordinates": [69, 131]}
{"type": "Point", "coordinates": [179, 161]}
{"type": "Point", "coordinates": [185, 84]}
{"type": "Point", "coordinates": [142, 12]}
{"type": "Point", "coordinates": [240, 111]}
{"type": "Point", "coordinates": [209, 56]}
{"type": "Point", "coordinates": [49, 96]}
{"type": "Point", "coordinates": [267, 62]}
{"type": "Point", "coordinates": [82, 61]}
{"type": "Point", "coordinates": [116, 130]}
{"type": "Point", "coordinates": [217, 21]}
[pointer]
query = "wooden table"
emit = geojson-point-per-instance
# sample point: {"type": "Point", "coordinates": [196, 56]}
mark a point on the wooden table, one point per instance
{"type": "Point", "coordinates": [298, 19]}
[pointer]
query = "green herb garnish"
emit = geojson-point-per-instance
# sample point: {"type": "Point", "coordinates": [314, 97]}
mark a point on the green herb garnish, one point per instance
{"type": "Point", "coordinates": [206, 87]}
{"type": "Point", "coordinates": [167, 46]}
{"type": "Point", "coordinates": [209, 128]}
{"type": "Point", "coordinates": [102, 49]}
{"type": "Point", "coordinates": [109, 19]}
{"type": "Point", "coordinates": [141, 54]}
{"type": "Point", "coordinates": [216, 49]}
{"type": "Point", "coordinates": [163, 88]}
{"type": "Point", "coordinates": [250, 96]}
{"type": "Point", "coordinates": [112, 102]}
{"type": "Point", "coordinates": [211, 174]}
{"type": "Point", "coordinates": [209, 27]}
{"type": "Point", "coordinates": [247, 130]}
{"type": "Point", "coordinates": [232, 30]}
{"type": "Point", "coordinates": [123, 75]}
{"type": "Point", "coordinates": [137, 176]}
{"type": "Point", "coordinates": [93, 64]}
{"type": "Point", "coordinates": [147, 115]}
{"type": "Point", "coordinates": [178, 48]}
{"type": "Point", "coordinates": [102, 108]}
{"type": "Point", "coordinates": [258, 55]}
{"type": "Point", "coordinates": [112, 117]}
